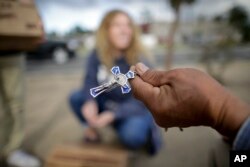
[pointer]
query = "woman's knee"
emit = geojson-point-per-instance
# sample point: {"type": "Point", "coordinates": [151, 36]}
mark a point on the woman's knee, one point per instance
{"type": "Point", "coordinates": [76, 99]}
{"type": "Point", "coordinates": [133, 138]}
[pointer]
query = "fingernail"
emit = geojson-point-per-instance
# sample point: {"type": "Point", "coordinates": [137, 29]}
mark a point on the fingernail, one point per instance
{"type": "Point", "coordinates": [141, 68]}
{"type": "Point", "coordinates": [132, 68]}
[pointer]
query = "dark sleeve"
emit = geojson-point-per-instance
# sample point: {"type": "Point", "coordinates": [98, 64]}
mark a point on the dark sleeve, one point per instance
{"type": "Point", "coordinates": [242, 140]}
{"type": "Point", "coordinates": [129, 108]}
{"type": "Point", "coordinates": [90, 79]}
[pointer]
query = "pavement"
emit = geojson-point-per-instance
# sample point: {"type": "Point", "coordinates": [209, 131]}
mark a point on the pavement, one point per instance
{"type": "Point", "coordinates": [49, 120]}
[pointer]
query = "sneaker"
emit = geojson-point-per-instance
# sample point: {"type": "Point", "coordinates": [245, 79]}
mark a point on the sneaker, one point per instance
{"type": "Point", "coordinates": [91, 135]}
{"type": "Point", "coordinates": [19, 158]}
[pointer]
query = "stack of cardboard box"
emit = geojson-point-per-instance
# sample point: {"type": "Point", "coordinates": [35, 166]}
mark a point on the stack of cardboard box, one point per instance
{"type": "Point", "coordinates": [20, 25]}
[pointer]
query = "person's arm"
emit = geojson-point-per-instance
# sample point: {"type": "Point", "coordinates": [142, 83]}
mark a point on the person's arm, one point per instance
{"type": "Point", "coordinates": [90, 79]}
{"type": "Point", "coordinates": [242, 140]}
{"type": "Point", "coordinates": [189, 97]}
{"type": "Point", "coordinates": [90, 108]}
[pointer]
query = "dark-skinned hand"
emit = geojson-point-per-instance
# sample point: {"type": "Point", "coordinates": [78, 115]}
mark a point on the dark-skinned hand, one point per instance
{"type": "Point", "coordinates": [188, 97]}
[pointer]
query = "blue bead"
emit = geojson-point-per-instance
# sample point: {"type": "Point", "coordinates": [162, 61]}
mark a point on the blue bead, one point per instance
{"type": "Point", "coordinates": [130, 74]}
{"type": "Point", "coordinates": [126, 88]}
{"type": "Point", "coordinates": [115, 70]}
{"type": "Point", "coordinates": [93, 92]}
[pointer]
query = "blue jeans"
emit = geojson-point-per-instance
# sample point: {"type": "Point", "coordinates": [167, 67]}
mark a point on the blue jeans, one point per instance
{"type": "Point", "coordinates": [133, 131]}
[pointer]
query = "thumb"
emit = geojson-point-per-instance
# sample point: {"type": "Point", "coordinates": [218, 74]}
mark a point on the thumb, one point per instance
{"type": "Point", "coordinates": [153, 77]}
{"type": "Point", "coordinates": [143, 90]}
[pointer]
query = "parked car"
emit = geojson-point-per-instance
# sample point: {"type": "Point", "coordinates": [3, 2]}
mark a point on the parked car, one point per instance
{"type": "Point", "coordinates": [60, 52]}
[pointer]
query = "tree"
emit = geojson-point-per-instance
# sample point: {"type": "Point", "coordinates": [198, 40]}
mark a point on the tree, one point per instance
{"type": "Point", "coordinates": [238, 18]}
{"type": "Point", "coordinates": [175, 4]}
{"type": "Point", "coordinates": [146, 18]}
{"type": "Point", "coordinates": [52, 35]}
{"type": "Point", "coordinates": [77, 30]}
{"type": "Point", "coordinates": [218, 19]}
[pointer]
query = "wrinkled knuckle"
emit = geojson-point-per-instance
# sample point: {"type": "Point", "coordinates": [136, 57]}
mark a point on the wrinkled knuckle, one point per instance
{"type": "Point", "coordinates": [149, 75]}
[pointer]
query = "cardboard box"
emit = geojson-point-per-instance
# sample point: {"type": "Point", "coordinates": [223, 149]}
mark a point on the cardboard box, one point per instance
{"type": "Point", "coordinates": [75, 155]}
{"type": "Point", "coordinates": [20, 25]}
{"type": "Point", "coordinates": [19, 18]}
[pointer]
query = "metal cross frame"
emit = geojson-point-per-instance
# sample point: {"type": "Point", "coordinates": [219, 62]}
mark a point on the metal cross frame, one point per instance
{"type": "Point", "coordinates": [119, 79]}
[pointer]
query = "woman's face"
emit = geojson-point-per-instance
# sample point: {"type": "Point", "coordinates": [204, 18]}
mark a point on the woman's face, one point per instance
{"type": "Point", "coordinates": [120, 32]}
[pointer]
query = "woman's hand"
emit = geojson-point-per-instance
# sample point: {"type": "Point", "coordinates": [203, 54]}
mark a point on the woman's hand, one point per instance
{"type": "Point", "coordinates": [104, 119]}
{"type": "Point", "coordinates": [188, 97]}
{"type": "Point", "coordinates": [90, 112]}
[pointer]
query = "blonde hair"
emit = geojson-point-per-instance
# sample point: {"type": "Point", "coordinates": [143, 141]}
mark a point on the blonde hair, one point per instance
{"type": "Point", "coordinates": [104, 47]}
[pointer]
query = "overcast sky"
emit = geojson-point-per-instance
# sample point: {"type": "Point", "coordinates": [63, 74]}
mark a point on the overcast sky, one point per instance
{"type": "Point", "coordinates": [62, 15]}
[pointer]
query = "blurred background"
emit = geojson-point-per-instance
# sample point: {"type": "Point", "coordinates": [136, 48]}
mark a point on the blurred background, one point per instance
{"type": "Point", "coordinates": [210, 35]}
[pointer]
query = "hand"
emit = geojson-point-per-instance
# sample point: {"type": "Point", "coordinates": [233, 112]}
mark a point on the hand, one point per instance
{"type": "Point", "coordinates": [188, 97]}
{"type": "Point", "coordinates": [90, 112]}
{"type": "Point", "coordinates": [104, 119]}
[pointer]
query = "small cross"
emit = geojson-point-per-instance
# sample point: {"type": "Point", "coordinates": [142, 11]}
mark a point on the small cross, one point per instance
{"type": "Point", "coordinates": [120, 79]}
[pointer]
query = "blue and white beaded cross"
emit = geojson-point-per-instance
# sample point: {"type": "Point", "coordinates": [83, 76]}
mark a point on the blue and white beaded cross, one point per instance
{"type": "Point", "coordinates": [120, 79]}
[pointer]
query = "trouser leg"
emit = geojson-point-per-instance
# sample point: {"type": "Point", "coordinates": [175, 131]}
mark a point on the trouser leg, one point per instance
{"type": "Point", "coordinates": [134, 131]}
{"type": "Point", "coordinates": [77, 99]}
{"type": "Point", "coordinates": [12, 100]}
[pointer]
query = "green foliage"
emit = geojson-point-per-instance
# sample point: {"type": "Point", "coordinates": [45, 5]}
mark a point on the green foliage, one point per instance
{"type": "Point", "coordinates": [52, 35]}
{"type": "Point", "coordinates": [239, 19]}
{"type": "Point", "coordinates": [176, 3]}
{"type": "Point", "coordinates": [77, 30]}
{"type": "Point", "coordinates": [246, 32]}
{"type": "Point", "coordinates": [218, 19]}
